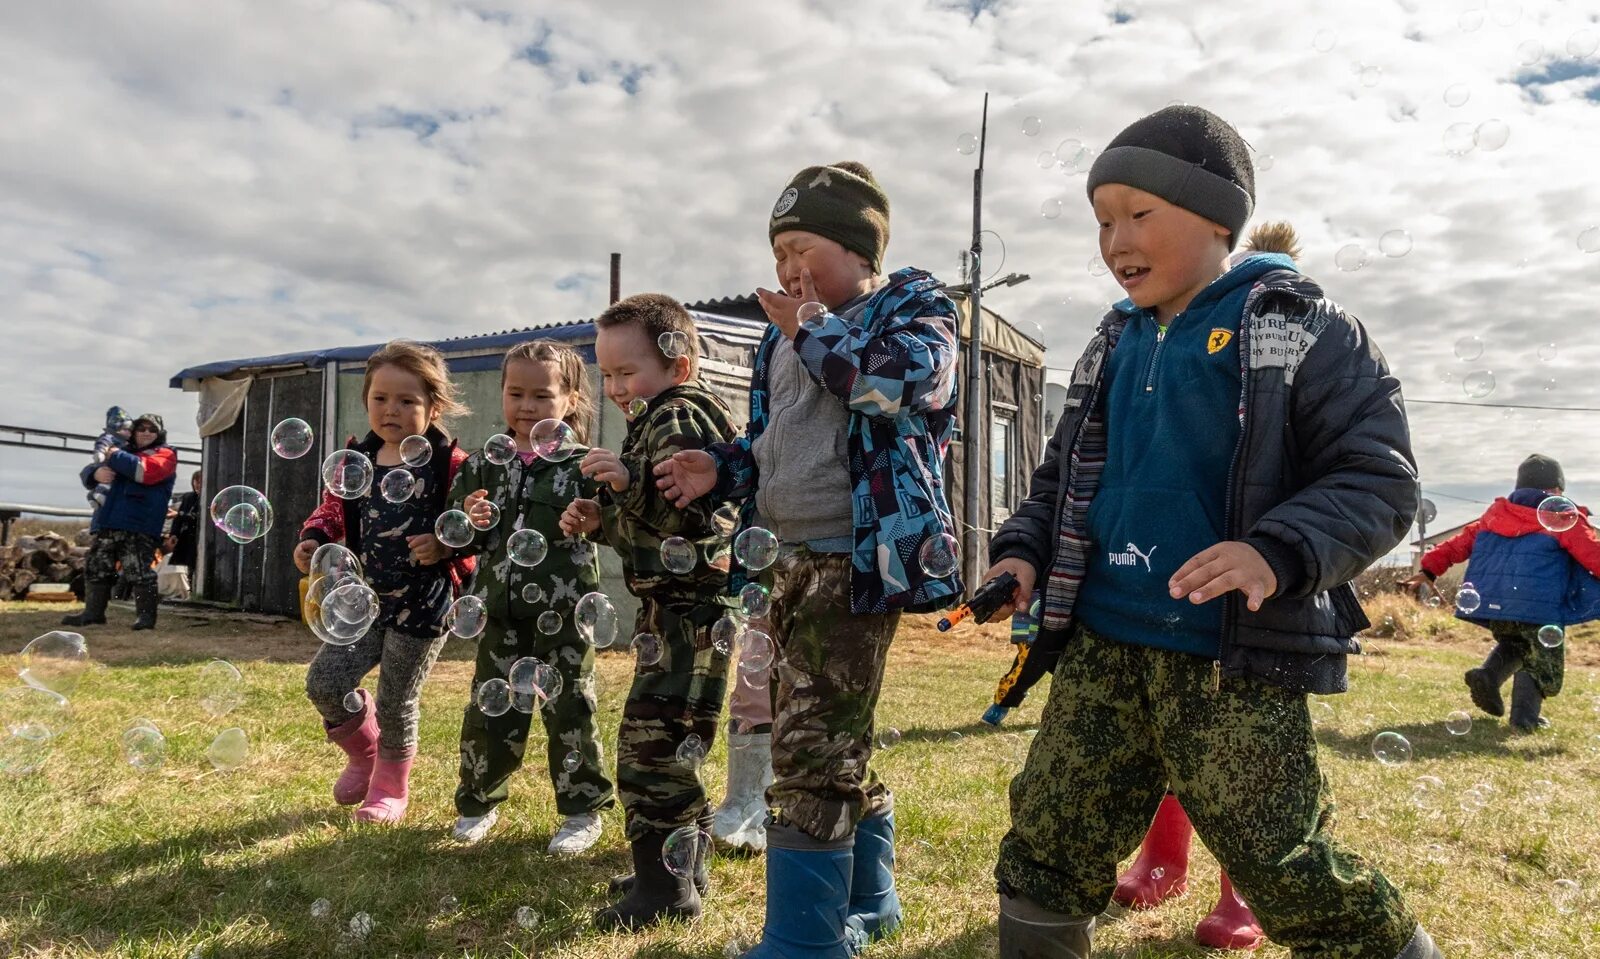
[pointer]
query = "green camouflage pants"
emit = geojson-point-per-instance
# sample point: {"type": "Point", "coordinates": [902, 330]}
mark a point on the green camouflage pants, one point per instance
{"type": "Point", "coordinates": [1545, 665]}
{"type": "Point", "coordinates": [135, 551]}
{"type": "Point", "coordinates": [1123, 724]}
{"type": "Point", "coordinates": [669, 701]}
{"type": "Point", "coordinates": [492, 747]}
{"type": "Point", "coordinates": [827, 679]}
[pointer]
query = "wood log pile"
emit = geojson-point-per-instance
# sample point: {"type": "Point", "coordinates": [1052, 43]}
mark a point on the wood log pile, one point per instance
{"type": "Point", "coordinates": [45, 558]}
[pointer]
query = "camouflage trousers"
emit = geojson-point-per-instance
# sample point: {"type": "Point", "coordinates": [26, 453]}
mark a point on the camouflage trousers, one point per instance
{"type": "Point", "coordinates": [828, 676]}
{"type": "Point", "coordinates": [1125, 723]}
{"type": "Point", "coordinates": [1545, 665]}
{"type": "Point", "coordinates": [658, 778]}
{"type": "Point", "coordinates": [1028, 666]}
{"type": "Point", "coordinates": [492, 747]}
{"type": "Point", "coordinates": [135, 551]}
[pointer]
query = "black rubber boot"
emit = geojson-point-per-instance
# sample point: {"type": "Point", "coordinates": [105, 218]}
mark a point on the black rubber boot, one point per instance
{"type": "Point", "coordinates": [1029, 931]}
{"type": "Point", "coordinates": [95, 598]}
{"type": "Point", "coordinates": [146, 600]}
{"type": "Point", "coordinates": [1526, 701]}
{"type": "Point", "coordinates": [619, 885]}
{"type": "Point", "coordinates": [1484, 682]}
{"type": "Point", "coordinates": [655, 895]}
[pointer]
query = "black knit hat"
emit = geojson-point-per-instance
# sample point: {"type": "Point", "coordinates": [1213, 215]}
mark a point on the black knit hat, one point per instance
{"type": "Point", "coordinates": [1540, 472]}
{"type": "Point", "coordinates": [841, 201]}
{"type": "Point", "coordinates": [1189, 157]}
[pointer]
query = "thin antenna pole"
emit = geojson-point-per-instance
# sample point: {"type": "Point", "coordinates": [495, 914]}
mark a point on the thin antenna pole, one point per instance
{"type": "Point", "coordinates": [616, 278]}
{"type": "Point", "coordinates": [975, 469]}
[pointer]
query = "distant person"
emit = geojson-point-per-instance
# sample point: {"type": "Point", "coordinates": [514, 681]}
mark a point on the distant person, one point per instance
{"type": "Point", "coordinates": [1527, 578]}
{"type": "Point", "coordinates": [117, 434]}
{"type": "Point", "coordinates": [127, 527]}
{"type": "Point", "coordinates": [183, 536]}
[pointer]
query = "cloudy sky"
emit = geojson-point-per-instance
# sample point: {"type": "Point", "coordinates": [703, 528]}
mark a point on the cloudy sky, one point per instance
{"type": "Point", "coordinates": [182, 183]}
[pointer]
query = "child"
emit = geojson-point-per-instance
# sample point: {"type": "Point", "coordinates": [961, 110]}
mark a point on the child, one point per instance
{"type": "Point", "coordinates": [539, 380]}
{"type": "Point", "coordinates": [851, 413]}
{"type": "Point", "coordinates": [681, 695]}
{"type": "Point", "coordinates": [127, 527]}
{"type": "Point", "coordinates": [407, 392]}
{"type": "Point", "coordinates": [1265, 426]}
{"type": "Point", "coordinates": [117, 434]}
{"type": "Point", "coordinates": [1527, 577]}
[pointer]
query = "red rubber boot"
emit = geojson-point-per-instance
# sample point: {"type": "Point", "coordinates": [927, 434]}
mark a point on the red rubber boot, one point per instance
{"type": "Point", "coordinates": [389, 792]}
{"type": "Point", "coordinates": [358, 737]}
{"type": "Point", "coordinates": [1161, 870]}
{"type": "Point", "coordinates": [1231, 925]}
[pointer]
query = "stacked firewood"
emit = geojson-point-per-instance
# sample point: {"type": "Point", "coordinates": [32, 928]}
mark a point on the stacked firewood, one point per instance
{"type": "Point", "coordinates": [45, 558]}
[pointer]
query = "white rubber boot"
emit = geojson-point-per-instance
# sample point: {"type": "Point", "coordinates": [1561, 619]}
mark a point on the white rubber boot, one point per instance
{"type": "Point", "coordinates": [741, 820]}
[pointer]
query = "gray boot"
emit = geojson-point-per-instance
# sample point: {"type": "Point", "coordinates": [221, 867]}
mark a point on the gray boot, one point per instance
{"type": "Point", "coordinates": [95, 598]}
{"type": "Point", "coordinates": [1526, 701]}
{"type": "Point", "coordinates": [1030, 931]}
{"type": "Point", "coordinates": [1420, 947]}
{"type": "Point", "coordinates": [1484, 682]}
{"type": "Point", "coordinates": [741, 820]}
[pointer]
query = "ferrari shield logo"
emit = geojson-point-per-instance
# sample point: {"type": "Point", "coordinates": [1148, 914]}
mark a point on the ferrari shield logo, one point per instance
{"type": "Point", "coordinates": [1219, 338]}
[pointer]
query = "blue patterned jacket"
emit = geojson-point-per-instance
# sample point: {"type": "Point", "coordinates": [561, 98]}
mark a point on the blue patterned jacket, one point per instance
{"type": "Point", "coordinates": [895, 368]}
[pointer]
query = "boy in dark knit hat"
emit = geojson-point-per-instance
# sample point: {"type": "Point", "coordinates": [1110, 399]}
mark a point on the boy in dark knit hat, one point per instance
{"type": "Point", "coordinates": [1232, 453]}
{"type": "Point", "coordinates": [1534, 574]}
{"type": "Point", "coordinates": [852, 404]}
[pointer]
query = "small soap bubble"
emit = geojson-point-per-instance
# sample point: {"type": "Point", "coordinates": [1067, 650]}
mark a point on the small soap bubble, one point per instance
{"type": "Point", "coordinates": [1459, 139]}
{"type": "Point", "coordinates": [1478, 384]}
{"type": "Point", "coordinates": [1547, 352]}
{"type": "Point", "coordinates": [527, 547]}
{"type": "Point", "coordinates": [484, 516]}
{"type": "Point", "coordinates": [1530, 52]}
{"type": "Point", "coordinates": [532, 593]}
{"type": "Point", "coordinates": [221, 688]}
{"type": "Point", "coordinates": [967, 144]}
{"type": "Point", "coordinates": [549, 622]}
{"type": "Point", "coordinates": [1551, 637]}
{"type": "Point", "coordinates": [242, 512]}
{"type": "Point", "coordinates": [453, 528]}
{"type": "Point", "coordinates": [647, 648]}
{"type": "Point", "coordinates": [321, 909]}
{"type": "Point", "coordinates": [755, 651]}
{"type": "Point", "coordinates": [673, 344]}
{"type": "Point", "coordinates": [724, 633]}
{"type": "Point", "coordinates": [1394, 243]}
{"type": "Point", "coordinates": [596, 619]}
{"type": "Point", "coordinates": [1558, 514]}
{"type": "Point", "coordinates": [493, 697]}
{"type": "Point", "coordinates": [229, 750]}
{"type": "Point", "coordinates": [1589, 239]}
{"type": "Point", "coordinates": [725, 520]}
{"type": "Point", "coordinates": [1428, 792]}
{"type": "Point", "coordinates": [1391, 749]}
{"type": "Point", "coordinates": [143, 746]}
{"type": "Point", "coordinates": [1469, 348]}
{"type": "Point", "coordinates": [1458, 723]}
{"type": "Point", "coordinates": [888, 738]}
{"type": "Point", "coordinates": [1370, 75]}
{"type": "Point", "coordinates": [809, 311]}
{"type": "Point", "coordinates": [1427, 512]}
{"type": "Point", "coordinates": [448, 905]}
{"type": "Point", "coordinates": [1491, 135]}
{"type": "Point", "coordinates": [500, 449]}
{"type": "Point", "coordinates": [526, 918]}
{"type": "Point", "coordinates": [1457, 95]}
{"type": "Point", "coordinates": [1324, 41]}
{"type": "Point", "coordinates": [755, 600]}
{"type": "Point", "coordinates": [1096, 265]}
{"type": "Point", "coordinates": [1565, 895]}
{"type": "Point", "coordinates": [939, 556]}
{"type": "Point", "coordinates": [353, 701]}
{"type": "Point", "coordinates": [1541, 791]}
{"type": "Point", "coordinates": [1468, 599]}
{"type": "Point", "coordinates": [1051, 208]}
{"type": "Point", "coordinates": [755, 548]}
{"type": "Point", "coordinates": [467, 617]}
{"type": "Point", "coordinates": [1351, 257]}
{"type": "Point", "coordinates": [681, 850]}
{"type": "Point", "coordinates": [678, 555]}
{"type": "Point", "coordinates": [292, 438]}
{"type": "Point", "coordinates": [347, 474]}
{"type": "Point", "coordinates": [692, 751]}
{"type": "Point", "coordinates": [553, 440]}
{"type": "Point", "coordinates": [397, 485]}
{"type": "Point", "coordinates": [1158, 873]}
{"type": "Point", "coordinates": [360, 926]}
{"type": "Point", "coordinates": [1031, 126]}
{"type": "Point", "coordinates": [416, 451]}
{"type": "Point", "coordinates": [637, 407]}
{"type": "Point", "coordinates": [1265, 162]}
{"type": "Point", "coordinates": [1045, 159]}
{"type": "Point", "coordinates": [1583, 43]}
{"type": "Point", "coordinates": [572, 761]}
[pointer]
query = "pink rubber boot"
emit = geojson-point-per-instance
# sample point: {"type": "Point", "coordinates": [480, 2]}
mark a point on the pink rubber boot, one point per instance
{"type": "Point", "coordinates": [1231, 925]}
{"type": "Point", "coordinates": [1161, 870]}
{"type": "Point", "coordinates": [358, 737]}
{"type": "Point", "coordinates": [389, 791]}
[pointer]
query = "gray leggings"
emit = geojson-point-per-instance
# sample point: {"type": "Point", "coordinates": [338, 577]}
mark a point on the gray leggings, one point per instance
{"type": "Point", "coordinates": [404, 662]}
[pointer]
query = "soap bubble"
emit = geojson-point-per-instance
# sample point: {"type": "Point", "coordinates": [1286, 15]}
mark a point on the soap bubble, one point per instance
{"type": "Point", "coordinates": [724, 633]}
{"type": "Point", "coordinates": [33, 715]}
{"type": "Point", "coordinates": [1565, 896]}
{"type": "Point", "coordinates": [1370, 75]}
{"type": "Point", "coordinates": [1031, 126]}
{"type": "Point", "coordinates": [493, 697]}
{"type": "Point", "coordinates": [596, 619]}
{"type": "Point", "coordinates": [416, 451]}
{"type": "Point", "coordinates": [535, 682]}
{"type": "Point", "coordinates": [681, 850]}
{"type": "Point", "coordinates": [347, 474]}
{"type": "Point", "coordinates": [939, 556]}
{"type": "Point", "coordinates": [350, 603]}
{"type": "Point", "coordinates": [1097, 265]}
{"type": "Point", "coordinates": [755, 600]}
{"type": "Point", "coordinates": [725, 520]}
{"type": "Point", "coordinates": [1045, 159]}
{"type": "Point", "coordinates": [1473, 800]}
{"type": "Point", "coordinates": [1324, 41]}
{"type": "Point", "coordinates": [1583, 43]}
{"type": "Point", "coordinates": [1050, 208]}
{"type": "Point", "coordinates": [397, 485]}
{"type": "Point", "coordinates": [647, 648]}
{"type": "Point", "coordinates": [1558, 514]}
{"type": "Point", "coordinates": [553, 440]}
{"type": "Point", "coordinates": [448, 905]}
{"type": "Point", "coordinates": [1351, 257]}
{"type": "Point", "coordinates": [1391, 749]}
{"type": "Point", "coordinates": [526, 918]}
{"type": "Point", "coordinates": [1458, 723]}
{"type": "Point", "coordinates": [967, 144]}
{"type": "Point", "coordinates": [1457, 95]}
{"type": "Point", "coordinates": [809, 311]}
{"type": "Point", "coordinates": [242, 512]}
{"type": "Point", "coordinates": [572, 761]}
{"type": "Point", "coordinates": [229, 750]}
{"type": "Point", "coordinates": [1469, 348]}
{"type": "Point", "coordinates": [500, 449]}
{"type": "Point", "coordinates": [1541, 791]}
{"type": "Point", "coordinates": [531, 593]}
{"type": "Point", "coordinates": [1551, 636]}
{"type": "Point", "coordinates": [673, 344]}
{"type": "Point", "coordinates": [466, 617]}
{"type": "Point", "coordinates": [1478, 384]}
{"type": "Point", "coordinates": [1491, 135]}
{"type": "Point", "coordinates": [54, 661]}
{"type": "Point", "coordinates": [1394, 243]}
{"type": "Point", "coordinates": [1589, 239]}
{"type": "Point", "coordinates": [1428, 792]}
{"type": "Point", "coordinates": [755, 548]}
{"type": "Point", "coordinates": [490, 515]}
{"type": "Point", "coordinates": [453, 528]}
{"type": "Point", "coordinates": [1470, 20]}
{"type": "Point", "coordinates": [360, 926]}
{"type": "Point", "coordinates": [1547, 352]}
{"type": "Point", "coordinates": [336, 561]}
{"type": "Point", "coordinates": [1264, 162]}
{"type": "Point", "coordinates": [692, 751]}
{"type": "Point", "coordinates": [23, 751]}
{"type": "Point", "coordinates": [321, 909]}
{"type": "Point", "coordinates": [1426, 511]}
{"type": "Point", "coordinates": [292, 438]}
{"type": "Point", "coordinates": [888, 738]}
{"type": "Point", "coordinates": [1459, 139]}
{"type": "Point", "coordinates": [678, 555]}
{"type": "Point", "coordinates": [1468, 599]}
{"type": "Point", "coordinates": [354, 702]}
{"type": "Point", "coordinates": [143, 746]}
{"type": "Point", "coordinates": [549, 622]}
{"type": "Point", "coordinates": [1530, 52]}
{"type": "Point", "coordinates": [1321, 712]}
{"type": "Point", "coordinates": [637, 407]}
{"type": "Point", "coordinates": [527, 547]}
{"type": "Point", "coordinates": [755, 651]}
{"type": "Point", "coordinates": [221, 688]}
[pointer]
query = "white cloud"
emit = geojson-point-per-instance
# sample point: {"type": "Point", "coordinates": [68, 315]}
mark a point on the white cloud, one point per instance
{"type": "Point", "coordinates": [177, 188]}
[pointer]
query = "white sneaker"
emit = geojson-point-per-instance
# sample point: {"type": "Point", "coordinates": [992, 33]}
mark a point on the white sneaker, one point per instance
{"type": "Point", "coordinates": [576, 835]}
{"type": "Point", "coordinates": [470, 829]}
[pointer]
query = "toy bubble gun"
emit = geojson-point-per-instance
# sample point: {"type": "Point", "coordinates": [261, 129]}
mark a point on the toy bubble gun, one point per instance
{"type": "Point", "coordinates": [984, 603]}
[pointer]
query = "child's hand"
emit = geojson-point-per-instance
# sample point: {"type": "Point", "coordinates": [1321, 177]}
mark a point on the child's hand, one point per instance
{"type": "Point", "coordinates": [427, 550]}
{"type": "Point", "coordinates": [581, 516]}
{"type": "Point", "coordinates": [686, 476]}
{"type": "Point", "coordinates": [1025, 574]}
{"type": "Point", "coordinates": [1222, 569]}
{"type": "Point", "coordinates": [782, 309]}
{"type": "Point", "coordinates": [604, 466]}
{"type": "Point", "coordinates": [105, 474]}
{"type": "Point", "coordinates": [477, 508]}
{"type": "Point", "coordinates": [302, 554]}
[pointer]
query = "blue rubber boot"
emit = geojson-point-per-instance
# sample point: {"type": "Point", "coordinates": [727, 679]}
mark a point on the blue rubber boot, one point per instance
{"type": "Point", "coordinates": [995, 714]}
{"type": "Point", "coordinates": [874, 907]}
{"type": "Point", "coordinates": [808, 893]}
